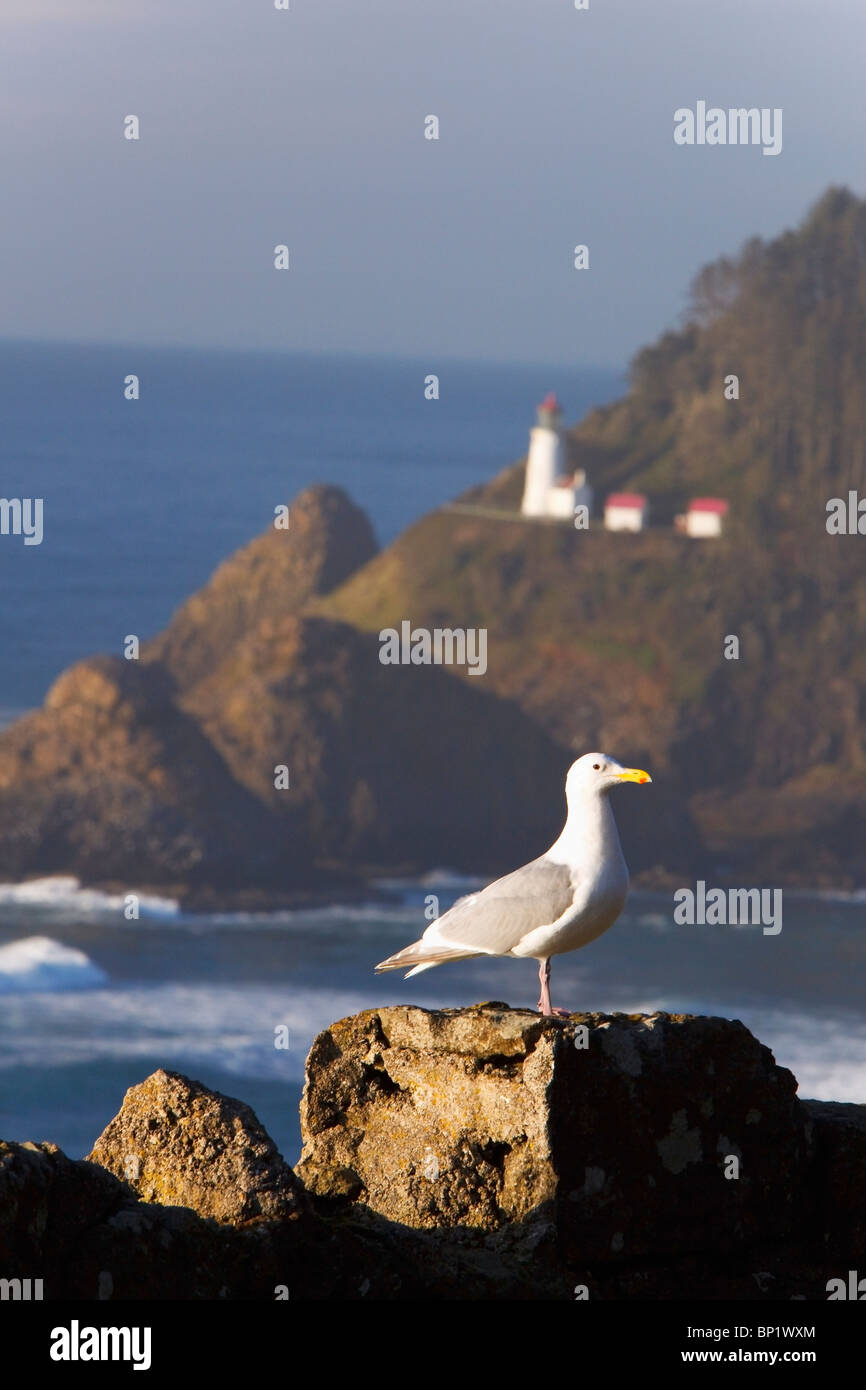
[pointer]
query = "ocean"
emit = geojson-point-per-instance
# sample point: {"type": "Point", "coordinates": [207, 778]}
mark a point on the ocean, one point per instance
{"type": "Point", "coordinates": [142, 500]}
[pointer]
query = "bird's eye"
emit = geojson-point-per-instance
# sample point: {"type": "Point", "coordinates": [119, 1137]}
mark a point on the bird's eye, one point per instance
{"type": "Point", "coordinates": [596, 767]}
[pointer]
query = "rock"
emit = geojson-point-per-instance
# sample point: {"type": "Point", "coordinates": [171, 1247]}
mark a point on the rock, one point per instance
{"type": "Point", "coordinates": [86, 1236]}
{"type": "Point", "coordinates": [31, 1177]}
{"type": "Point", "coordinates": [179, 1144]}
{"type": "Point", "coordinates": [838, 1208]}
{"type": "Point", "coordinates": [567, 643]}
{"type": "Point", "coordinates": [272, 577]}
{"type": "Point", "coordinates": [480, 784]}
{"type": "Point", "coordinates": [109, 686]}
{"type": "Point", "coordinates": [461, 1154]}
{"type": "Point", "coordinates": [163, 773]}
{"type": "Point", "coordinates": [487, 1117]}
{"type": "Point", "coordinates": [113, 781]}
{"type": "Point", "coordinates": [810, 830]}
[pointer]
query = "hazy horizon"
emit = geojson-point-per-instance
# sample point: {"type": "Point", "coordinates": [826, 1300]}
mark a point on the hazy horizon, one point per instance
{"type": "Point", "coordinates": [305, 127]}
{"type": "Point", "coordinates": [335, 354]}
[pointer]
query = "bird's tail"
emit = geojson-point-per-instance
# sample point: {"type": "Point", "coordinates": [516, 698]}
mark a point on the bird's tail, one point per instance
{"type": "Point", "coordinates": [422, 955]}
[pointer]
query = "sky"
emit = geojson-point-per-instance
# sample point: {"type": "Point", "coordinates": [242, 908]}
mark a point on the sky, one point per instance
{"type": "Point", "coordinates": [305, 127]}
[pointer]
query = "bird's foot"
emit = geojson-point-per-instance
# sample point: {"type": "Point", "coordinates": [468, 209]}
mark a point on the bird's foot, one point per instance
{"type": "Point", "coordinates": [551, 1012]}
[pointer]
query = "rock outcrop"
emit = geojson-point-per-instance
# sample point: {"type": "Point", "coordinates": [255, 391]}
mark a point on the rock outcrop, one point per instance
{"type": "Point", "coordinates": [84, 1233]}
{"type": "Point", "coordinates": [259, 749]}
{"type": "Point", "coordinates": [179, 1144]}
{"type": "Point", "coordinates": [481, 1153]}
{"type": "Point", "coordinates": [112, 780]}
{"type": "Point", "coordinates": [327, 538]}
{"type": "Point", "coordinates": [839, 1207]}
{"type": "Point", "coordinates": [402, 765]}
{"type": "Point", "coordinates": [635, 1137]}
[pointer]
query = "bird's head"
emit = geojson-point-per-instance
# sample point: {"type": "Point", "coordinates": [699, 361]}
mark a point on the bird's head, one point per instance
{"type": "Point", "coordinates": [599, 773]}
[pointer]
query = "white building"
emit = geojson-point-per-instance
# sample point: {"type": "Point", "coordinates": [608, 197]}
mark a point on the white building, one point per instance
{"type": "Point", "coordinates": [567, 494]}
{"type": "Point", "coordinates": [706, 516]}
{"type": "Point", "coordinates": [546, 491]}
{"type": "Point", "coordinates": [626, 511]}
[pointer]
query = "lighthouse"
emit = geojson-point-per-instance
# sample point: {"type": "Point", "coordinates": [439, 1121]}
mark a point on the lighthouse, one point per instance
{"type": "Point", "coordinates": [546, 492]}
{"type": "Point", "coordinates": [544, 462]}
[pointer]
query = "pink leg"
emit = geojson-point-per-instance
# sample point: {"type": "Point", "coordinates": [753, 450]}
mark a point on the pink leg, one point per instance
{"type": "Point", "coordinates": [544, 1002]}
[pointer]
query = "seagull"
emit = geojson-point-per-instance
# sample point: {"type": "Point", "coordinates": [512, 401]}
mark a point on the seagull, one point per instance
{"type": "Point", "coordinates": [559, 902]}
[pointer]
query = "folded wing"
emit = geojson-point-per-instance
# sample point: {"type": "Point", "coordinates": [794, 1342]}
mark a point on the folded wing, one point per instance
{"type": "Point", "coordinates": [493, 921]}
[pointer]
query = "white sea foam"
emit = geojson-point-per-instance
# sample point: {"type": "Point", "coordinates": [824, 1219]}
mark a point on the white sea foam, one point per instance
{"type": "Point", "coordinates": [65, 894]}
{"type": "Point", "coordinates": [447, 879]}
{"type": "Point", "coordinates": [827, 1054]}
{"type": "Point", "coordinates": [226, 1028]}
{"type": "Point", "coordinates": [332, 915]}
{"type": "Point", "coordinates": [36, 963]}
{"type": "Point", "coordinates": [656, 921]}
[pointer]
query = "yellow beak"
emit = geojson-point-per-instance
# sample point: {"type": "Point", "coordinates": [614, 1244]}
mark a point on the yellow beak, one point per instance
{"type": "Point", "coordinates": [633, 774]}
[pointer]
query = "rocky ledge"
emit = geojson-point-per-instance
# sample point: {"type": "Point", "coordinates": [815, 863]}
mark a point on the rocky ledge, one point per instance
{"type": "Point", "coordinates": [482, 1153]}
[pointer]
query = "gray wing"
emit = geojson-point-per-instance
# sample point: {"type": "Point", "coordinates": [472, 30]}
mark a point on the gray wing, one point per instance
{"type": "Point", "coordinates": [498, 917]}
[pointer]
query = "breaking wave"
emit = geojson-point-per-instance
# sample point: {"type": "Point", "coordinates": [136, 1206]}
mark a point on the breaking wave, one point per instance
{"type": "Point", "coordinates": [37, 963]}
{"type": "Point", "coordinates": [66, 894]}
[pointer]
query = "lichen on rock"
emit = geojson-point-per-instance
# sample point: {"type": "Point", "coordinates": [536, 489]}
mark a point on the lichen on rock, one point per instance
{"type": "Point", "coordinates": [179, 1144]}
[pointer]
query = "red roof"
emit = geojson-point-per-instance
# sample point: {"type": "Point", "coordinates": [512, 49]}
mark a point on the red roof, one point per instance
{"type": "Point", "coordinates": [626, 499]}
{"type": "Point", "coordinates": [550, 402]}
{"type": "Point", "coordinates": [709, 504]}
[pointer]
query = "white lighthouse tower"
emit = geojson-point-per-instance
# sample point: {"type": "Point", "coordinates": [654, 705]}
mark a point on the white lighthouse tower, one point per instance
{"type": "Point", "coordinates": [544, 463]}
{"type": "Point", "coordinates": [545, 491]}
